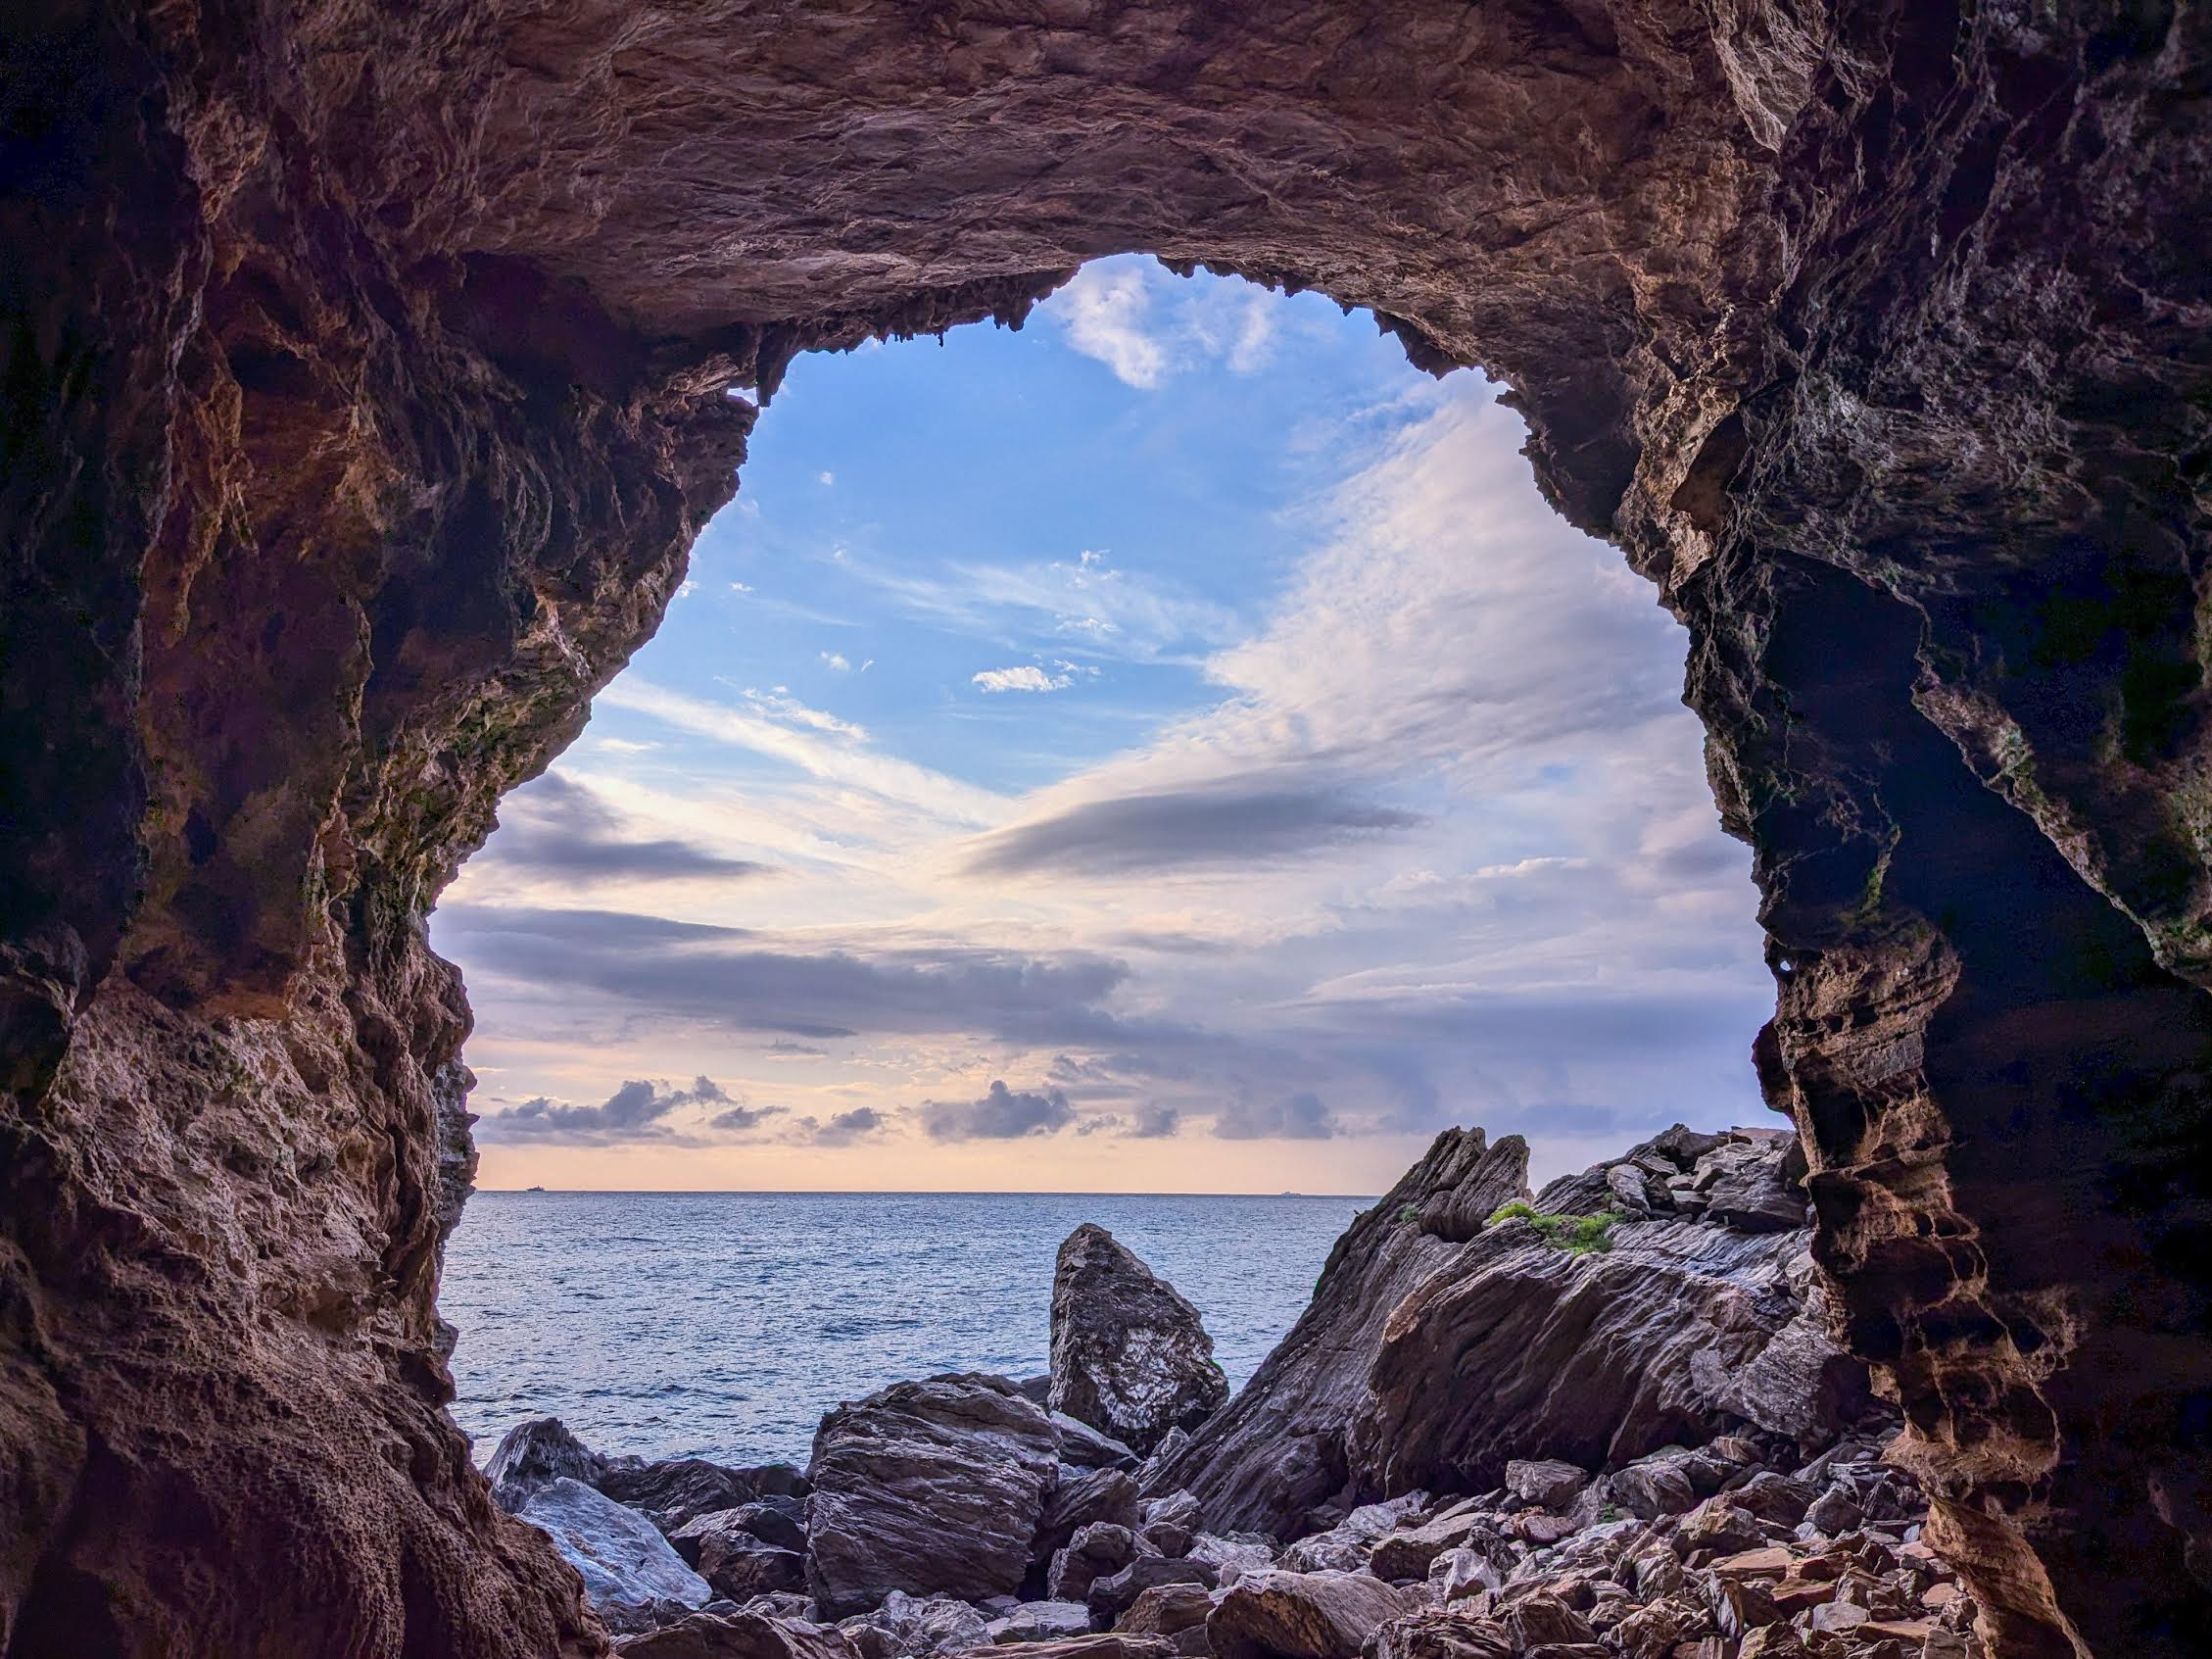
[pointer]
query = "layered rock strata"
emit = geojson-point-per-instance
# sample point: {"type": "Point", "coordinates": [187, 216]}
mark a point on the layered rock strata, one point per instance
{"type": "Point", "coordinates": [365, 385]}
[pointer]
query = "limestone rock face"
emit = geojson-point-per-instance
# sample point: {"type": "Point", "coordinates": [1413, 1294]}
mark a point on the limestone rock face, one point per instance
{"type": "Point", "coordinates": [927, 1488]}
{"type": "Point", "coordinates": [1129, 1354]}
{"type": "Point", "coordinates": [1279, 1447]}
{"type": "Point", "coordinates": [365, 389]}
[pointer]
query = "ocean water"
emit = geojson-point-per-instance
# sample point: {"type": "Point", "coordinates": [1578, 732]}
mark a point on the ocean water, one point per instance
{"type": "Point", "coordinates": [723, 1325]}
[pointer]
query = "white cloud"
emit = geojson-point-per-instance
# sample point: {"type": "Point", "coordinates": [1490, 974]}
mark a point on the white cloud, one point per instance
{"type": "Point", "coordinates": [830, 751]}
{"type": "Point", "coordinates": [1025, 678]}
{"type": "Point", "coordinates": [1083, 604]}
{"type": "Point", "coordinates": [826, 477]}
{"type": "Point", "coordinates": [1104, 310]}
{"type": "Point", "coordinates": [835, 661]}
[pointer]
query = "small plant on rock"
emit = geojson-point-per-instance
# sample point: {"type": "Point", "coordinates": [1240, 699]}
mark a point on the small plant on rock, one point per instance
{"type": "Point", "coordinates": [1577, 1234]}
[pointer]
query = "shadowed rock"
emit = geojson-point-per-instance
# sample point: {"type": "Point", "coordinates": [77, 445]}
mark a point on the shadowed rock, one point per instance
{"type": "Point", "coordinates": [1301, 1615]}
{"type": "Point", "coordinates": [737, 1636]}
{"type": "Point", "coordinates": [1129, 1355]}
{"type": "Point", "coordinates": [1277, 1448]}
{"type": "Point", "coordinates": [930, 1488]}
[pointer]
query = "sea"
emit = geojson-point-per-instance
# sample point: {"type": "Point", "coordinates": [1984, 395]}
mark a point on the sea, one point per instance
{"type": "Point", "coordinates": [723, 1325]}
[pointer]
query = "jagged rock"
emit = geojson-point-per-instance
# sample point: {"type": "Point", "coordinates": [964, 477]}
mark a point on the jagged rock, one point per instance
{"type": "Point", "coordinates": [630, 1574]}
{"type": "Point", "coordinates": [1085, 1448]}
{"type": "Point", "coordinates": [1232, 1558]}
{"type": "Point", "coordinates": [1082, 1497]}
{"type": "Point", "coordinates": [1409, 1555]}
{"type": "Point", "coordinates": [1279, 1447]}
{"type": "Point", "coordinates": [1166, 1610]}
{"type": "Point", "coordinates": [1168, 1537]}
{"type": "Point", "coordinates": [1519, 1348]}
{"type": "Point", "coordinates": [1129, 1355]}
{"type": "Point", "coordinates": [1442, 1635]}
{"type": "Point", "coordinates": [739, 1564]}
{"type": "Point", "coordinates": [737, 1636]}
{"type": "Point", "coordinates": [676, 1490]}
{"type": "Point", "coordinates": [1301, 1615]}
{"type": "Point", "coordinates": [1103, 1646]}
{"type": "Point", "coordinates": [1546, 1483]}
{"type": "Point", "coordinates": [765, 1523]}
{"type": "Point", "coordinates": [1041, 1621]}
{"type": "Point", "coordinates": [932, 1486]}
{"type": "Point", "coordinates": [1112, 1595]}
{"type": "Point", "coordinates": [1095, 1551]}
{"type": "Point", "coordinates": [1179, 1508]}
{"type": "Point", "coordinates": [533, 1452]}
{"type": "Point", "coordinates": [908, 1625]}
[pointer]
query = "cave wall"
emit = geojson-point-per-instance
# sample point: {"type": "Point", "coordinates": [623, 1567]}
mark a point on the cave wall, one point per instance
{"type": "Point", "coordinates": [362, 385]}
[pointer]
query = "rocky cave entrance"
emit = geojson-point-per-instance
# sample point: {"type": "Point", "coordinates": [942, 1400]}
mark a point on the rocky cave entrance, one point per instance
{"type": "Point", "coordinates": [362, 393]}
{"type": "Point", "coordinates": [1193, 656]}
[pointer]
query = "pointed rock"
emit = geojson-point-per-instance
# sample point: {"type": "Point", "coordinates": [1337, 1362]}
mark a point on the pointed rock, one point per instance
{"type": "Point", "coordinates": [1130, 1356]}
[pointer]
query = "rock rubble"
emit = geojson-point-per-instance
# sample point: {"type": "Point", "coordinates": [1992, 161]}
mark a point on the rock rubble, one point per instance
{"type": "Point", "coordinates": [1620, 1434]}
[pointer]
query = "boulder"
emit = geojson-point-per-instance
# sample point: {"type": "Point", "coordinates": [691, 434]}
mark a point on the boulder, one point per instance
{"type": "Point", "coordinates": [1544, 1481]}
{"type": "Point", "coordinates": [632, 1574]}
{"type": "Point", "coordinates": [919, 1624]}
{"type": "Point", "coordinates": [1111, 1645]}
{"type": "Point", "coordinates": [1409, 1555]}
{"type": "Point", "coordinates": [739, 1565]}
{"type": "Point", "coordinates": [1235, 1556]}
{"type": "Point", "coordinates": [1518, 1349]}
{"type": "Point", "coordinates": [931, 1486]}
{"type": "Point", "coordinates": [677, 1490]}
{"type": "Point", "coordinates": [1277, 1448]}
{"type": "Point", "coordinates": [533, 1452]}
{"type": "Point", "coordinates": [1130, 1356]}
{"type": "Point", "coordinates": [1086, 1447]}
{"type": "Point", "coordinates": [766, 1523]}
{"type": "Point", "coordinates": [1166, 1610]}
{"type": "Point", "coordinates": [737, 1636]}
{"type": "Point", "coordinates": [1041, 1621]}
{"type": "Point", "coordinates": [1084, 1496]}
{"type": "Point", "coordinates": [1301, 1615]}
{"type": "Point", "coordinates": [1442, 1635]}
{"type": "Point", "coordinates": [1114, 1594]}
{"type": "Point", "coordinates": [1095, 1551]}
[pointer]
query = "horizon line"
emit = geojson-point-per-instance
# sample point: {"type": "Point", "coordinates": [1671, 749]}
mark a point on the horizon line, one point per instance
{"type": "Point", "coordinates": [898, 1192]}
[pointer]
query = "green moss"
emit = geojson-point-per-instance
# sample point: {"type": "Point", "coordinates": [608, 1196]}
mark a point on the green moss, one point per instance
{"type": "Point", "coordinates": [1409, 1212]}
{"type": "Point", "coordinates": [1577, 1234]}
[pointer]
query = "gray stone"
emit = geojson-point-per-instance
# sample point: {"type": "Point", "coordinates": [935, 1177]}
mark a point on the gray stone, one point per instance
{"type": "Point", "coordinates": [1129, 1354]}
{"type": "Point", "coordinates": [630, 1571]}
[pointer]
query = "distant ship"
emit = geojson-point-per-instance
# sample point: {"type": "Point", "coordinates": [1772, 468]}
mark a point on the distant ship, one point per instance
{"type": "Point", "coordinates": [533, 1189]}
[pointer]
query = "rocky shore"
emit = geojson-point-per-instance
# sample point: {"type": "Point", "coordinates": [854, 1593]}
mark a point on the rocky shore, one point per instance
{"type": "Point", "coordinates": [1602, 1421]}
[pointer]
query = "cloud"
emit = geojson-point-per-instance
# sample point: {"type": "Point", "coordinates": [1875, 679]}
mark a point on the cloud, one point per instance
{"type": "Point", "coordinates": [737, 980]}
{"type": "Point", "coordinates": [844, 1129]}
{"type": "Point", "coordinates": [741, 1119]}
{"type": "Point", "coordinates": [829, 750]}
{"type": "Point", "coordinates": [1154, 1123]}
{"type": "Point", "coordinates": [560, 827]}
{"type": "Point", "coordinates": [1000, 1115]}
{"type": "Point", "coordinates": [1025, 678]}
{"type": "Point", "coordinates": [633, 1112]}
{"type": "Point", "coordinates": [1234, 820]}
{"type": "Point", "coordinates": [835, 661]}
{"type": "Point", "coordinates": [1297, 1117]}
{"type": "Point", "coordinates": [826, 477]}
{"type": "Point", "coordinates": [784, 1047]}
{"type": "Point", "coordinates": [1104, 310]}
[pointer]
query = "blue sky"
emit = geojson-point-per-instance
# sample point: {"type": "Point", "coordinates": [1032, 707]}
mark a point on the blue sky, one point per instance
{"type": "Point", "coordinates": [1170, 746]}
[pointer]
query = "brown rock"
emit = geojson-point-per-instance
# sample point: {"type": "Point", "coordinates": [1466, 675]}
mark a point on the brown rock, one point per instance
{"type": "Point", "coordinates": [365, 396]}
{"type": "Point", "coordinates": [1442, 1635]}
{"type": "Point", "coordinates": [1166, 1610]}
{"type": "Point", "coordinates": [1277, 1449]}
{"type": "Point", "coordinates": [1129, 1354]}
{"type": "Point", "coordinates": [929, 1488]}
{"type": "Point", "coordinates": [737, 1636]}
{"type": "Point", "coordinates": [1300, 1616]}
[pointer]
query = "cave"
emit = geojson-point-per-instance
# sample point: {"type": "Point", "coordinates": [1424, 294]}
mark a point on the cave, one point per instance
{"type": "Point", "coordinates": [366, 382]}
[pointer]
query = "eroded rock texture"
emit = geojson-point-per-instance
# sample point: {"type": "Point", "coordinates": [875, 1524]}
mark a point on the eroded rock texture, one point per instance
{"type": "Point", "coordinates": [363, 388]}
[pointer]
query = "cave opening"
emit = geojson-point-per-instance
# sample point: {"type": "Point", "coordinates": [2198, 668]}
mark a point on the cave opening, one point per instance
{"type": "Point", "coordinates": [1170, 748]}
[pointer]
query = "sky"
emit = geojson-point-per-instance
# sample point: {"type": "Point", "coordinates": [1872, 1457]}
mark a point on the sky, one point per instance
{"type": "Point", "coordinates": [1171, 746]}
